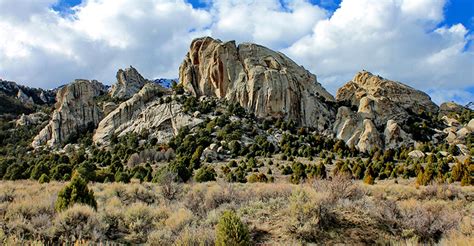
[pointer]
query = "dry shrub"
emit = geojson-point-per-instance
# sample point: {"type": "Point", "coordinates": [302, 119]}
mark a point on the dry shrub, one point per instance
{"type": "Point", "coordinates": [112, 219]}
{"type": "Point", "coordinates": [77, 223]}
{"type": "Point", "coordinates": [340, 187]}
{"type": "Point", "coordinates": [140, 193]}
{"type": "Point", "coordinates": [309, 215]}
{"type": "Point", "coordinates": [428, 221]}
{"type": "Point", "coordinates": [443, 192]}
{"type": "Point", "coordinates": [195, 236]}
{"type": "Point", "coordinates": [27, 219]}
{"type": "Point", "coordinates": [160, 237]}
{"type": "Point", "coordinates": [169, 188]}
{"type": "Point", "coordinates": [7, 195]}
{"type": "Point", "coordinates": [202, 198]}
{"type": "Point", "coordinates": [265, 192]}
{"type": "Point", "coordinates": [387, 214]}
{"type": "Point", "coordinates": [139, 221]}
{"type": "Point", "coordinates": [130, 193]}
{"type": "Point", "coordinates": [178, 220]}
{"type": "Point", "coordinates": [28, 209]}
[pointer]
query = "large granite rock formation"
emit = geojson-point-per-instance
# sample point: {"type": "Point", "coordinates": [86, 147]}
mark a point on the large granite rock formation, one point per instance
{"type": "Point", "coordinates": [76, 111]}
{"type": "Point", "coordinates": [382, 107]}
{"type": "Point", "coordinates": [143, 112]}
{"type": "Point", "coordinates": [263, 81]}
{"type": "Point", "coordinates": [129, 82]}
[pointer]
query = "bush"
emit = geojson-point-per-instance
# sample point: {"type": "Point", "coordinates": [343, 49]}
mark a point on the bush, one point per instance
{"type": "Point", "coordinates": [259, 177]}
{"type": "Point", "coordinates": [139, 222]}
{"type": "Point", "coordinates": [231, 231]}
{"type": "Point", "coordinates": [77, 223]}
{"type": "Point", "coordinates": [205, 174]}
{"type": "Point", "coordinates": [309, 216]}
{"type": "Point", "coordinates": [75, 192]}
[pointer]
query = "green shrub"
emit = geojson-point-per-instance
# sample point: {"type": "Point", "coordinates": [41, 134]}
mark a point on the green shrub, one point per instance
{"type": "Point", "coordinates": [205, 174]}
{"type": "Point", "coordinates": [231, 231]}
{"type": "Point", "coordinates": [75, 192]}
{"type": "Point", "coordinates": [257, 177]}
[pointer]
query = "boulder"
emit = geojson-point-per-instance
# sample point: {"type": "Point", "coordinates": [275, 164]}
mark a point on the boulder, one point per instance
{"type": "Point", "coordinates": [261, 80]}
{"type": "Point", "coordinates": [416, 154]}
{"type": "Point", "coordinates": [470, 125]}
{"type": "Point", "coordinates": [75, 112]}
{"type": "Point", "coordinates": [395, 136]}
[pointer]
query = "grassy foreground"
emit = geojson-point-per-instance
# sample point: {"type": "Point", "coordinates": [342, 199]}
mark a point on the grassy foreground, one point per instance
{"type": "Point", "coordinates": [319, 211]}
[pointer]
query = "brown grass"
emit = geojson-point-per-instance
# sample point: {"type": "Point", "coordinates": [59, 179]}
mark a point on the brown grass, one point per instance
{"type": "Point", "coordinates": [340, 211]}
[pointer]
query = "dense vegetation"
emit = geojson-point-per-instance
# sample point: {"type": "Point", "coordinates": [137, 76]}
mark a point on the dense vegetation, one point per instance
{"type": "Point", "coordinates": [240, 136]}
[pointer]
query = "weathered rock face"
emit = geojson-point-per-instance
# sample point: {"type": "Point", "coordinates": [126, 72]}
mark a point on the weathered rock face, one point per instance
{"type": "Point", "coordinates": [381, 104]}
{"type": "Point", "coordinates": [387, 99]}
{"type": "Point", "coordinates": [263, 81]}
{"type": "Point", "coordinates": [75, 111]}
{"type": "Point", "coordinates": [143, 112]}
{"type": "Point", "coordinates": [129, 82]}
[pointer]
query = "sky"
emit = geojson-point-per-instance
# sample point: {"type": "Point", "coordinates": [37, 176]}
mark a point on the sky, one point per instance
{"type": "Point", "coordinates": [427, 44]}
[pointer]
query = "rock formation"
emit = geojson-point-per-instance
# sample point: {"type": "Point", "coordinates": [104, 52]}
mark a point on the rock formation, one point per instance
{"type": "Point", "coordinates": [143, 112]}
{"type": "Point", "coordinates": [76, 111]}
{"type": "Point", "coordinates": [381, 104]}
{"type": "Point", "coordinates": [23, 97]}
{"type": "Point", "coordinates": [129, 82]}
{"type": "Point", "coordinates": [263, 81]}
{"type": "Point", "coordinates": [31, 119]}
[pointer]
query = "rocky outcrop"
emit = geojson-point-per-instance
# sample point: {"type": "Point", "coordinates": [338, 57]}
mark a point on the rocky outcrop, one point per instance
{"type": "Point", "coordinates": [387, 99]}
{"type": "Point", "coordinates": [23, 97]}
{"type": "Point", "coordinates": [449, 108]}
{"type": "Point", "coordinates": [75, 112]}
{"type": "Point", "coordinates": [31, 119]}
{"type": "Point", "coordinates": [382, 107]}
{"type": "Point", "coordinates": [263, 81]}
{"type": "Point", "coordinates": [143, 112]}
{"type": "Point", "coordinates": [129, 82]}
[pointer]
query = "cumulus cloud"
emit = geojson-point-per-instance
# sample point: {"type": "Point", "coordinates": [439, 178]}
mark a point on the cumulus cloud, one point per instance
{"type": "Point", "coordinates": [272, 23]}
{"type": "Point", "coordinates": [398, 39]}
{"type": "Point", "coordinates": [47, 49]}
{"type": "Point", "coordinates": [402, 40]}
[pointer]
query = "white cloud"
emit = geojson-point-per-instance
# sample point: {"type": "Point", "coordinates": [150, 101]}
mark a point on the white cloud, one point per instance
{"type": "Point", "coordinates": [394, 38]}
{"type": "Point", "coordinates": [267, 22]}
{"type": "Point", "coordinates": [398, 39]}
{"type": "Point", "coordinates": [101, 36]}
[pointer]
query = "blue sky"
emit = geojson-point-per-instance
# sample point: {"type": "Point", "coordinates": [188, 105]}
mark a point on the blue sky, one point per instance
{"type": "Point", "coordinates": [426, 44]}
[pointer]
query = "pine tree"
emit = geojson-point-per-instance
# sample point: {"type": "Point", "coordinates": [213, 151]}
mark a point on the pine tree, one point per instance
{"type": "Point", "coordinates": [75, 192]}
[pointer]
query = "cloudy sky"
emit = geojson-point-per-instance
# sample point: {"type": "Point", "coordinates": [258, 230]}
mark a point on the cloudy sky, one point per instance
{"type": "Point", "coordinates": [427, 44]}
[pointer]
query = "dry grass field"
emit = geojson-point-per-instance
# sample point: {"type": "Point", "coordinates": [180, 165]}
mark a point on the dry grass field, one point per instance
{"type": "Point", "coordinates": [339, 211]}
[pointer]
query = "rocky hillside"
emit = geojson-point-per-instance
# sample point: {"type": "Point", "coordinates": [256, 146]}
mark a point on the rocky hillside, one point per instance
{"type": "Point", "coordinates": [18, 99]}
